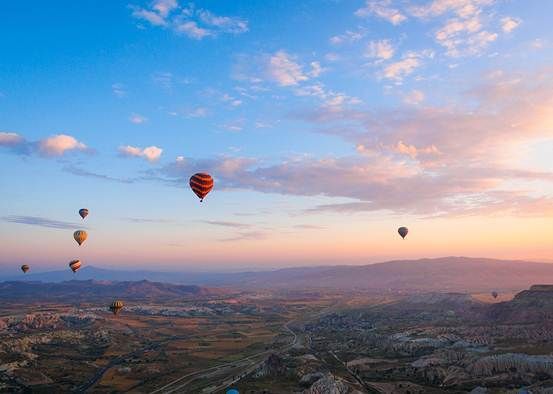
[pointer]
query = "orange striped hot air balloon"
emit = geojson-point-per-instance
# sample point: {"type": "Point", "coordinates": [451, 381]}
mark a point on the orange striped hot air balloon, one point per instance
{"type": "Point", "coordinates": [80, 236]}
{"type": "Point", "coordinates": [201, 184]}
{"type": "Point", "coordinates": [116, 306]}
{"type": "Point", "coordinates": [75, 265]}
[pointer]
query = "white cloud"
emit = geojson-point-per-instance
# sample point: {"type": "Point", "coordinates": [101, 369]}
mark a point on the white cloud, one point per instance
{"type": "Point", "coordinates": [382, 50]}
{"type": "Point", "coordinates": [137, 118]}
{"type": "Point", "coordinates": [224, 23]}
{"type": "Point", "coordinates": [400, 69]}
{"type": "Point", "coordinates": [284, 70]}
{"type": "Point", "coordinates": [150, 16]}
{"type": "Point", "coordinates": [151, 153]}
{"type": "Point", "coordinates": [57, 145]}
{"type": "Point", "coordinates": [316, 69]}
{"type": "Point", "coordinates": [460, 8]}
{"type": "Point", "coordinates": [347, 37]}
{"type": "Point", "coordinates": [191, 21]}
{"type": "Point", "coordinates": [331, 100]}
{"type": "Point", "coordinates": [381, 9]}
{"type": "Point", "coordinates": [192, 30]}
{"type": "Point", "coordinates": [157, 14]}
{"type": "Point", "coordinates": [465, 32]}
{"type": "Point", "coordinates": [508, 24]}
{"type": "Point", "coordinates": [164, 7]}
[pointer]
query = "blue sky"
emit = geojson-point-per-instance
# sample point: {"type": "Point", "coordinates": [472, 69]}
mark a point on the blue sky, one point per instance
{"type": "Point", "coordinates": [326, 125]}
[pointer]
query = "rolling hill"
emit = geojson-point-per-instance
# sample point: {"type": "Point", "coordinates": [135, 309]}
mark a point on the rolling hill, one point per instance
{"type": "Point", "coordinates": [451, 274]}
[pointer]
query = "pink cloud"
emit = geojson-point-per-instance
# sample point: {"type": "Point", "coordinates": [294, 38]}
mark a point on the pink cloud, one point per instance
{"type": "Point", "coordinates": [57, 145]}
{"type": "Point", "coordinates": [151, 153]}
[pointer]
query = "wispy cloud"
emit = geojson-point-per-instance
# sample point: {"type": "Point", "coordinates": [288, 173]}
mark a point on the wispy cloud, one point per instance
{"type": "Point", "coordinates": [88, 174]}
{"type": "Point", "coordinates": [246, 236]}
{"type": "Point", "coordinates": [146, 220]}
{"type": "Point", "coordinates": [118, 90]}
{"type": "Point", "coordinates": [137, 118]}
{"type": "Point", "coordinates": [382, 9]}
{"type": "Point", "coordinates": [411, 152]}
{"type": "Point", "coordinates": [193, 22]}
{"type": "Point", "coordinates": [348, 37]}
{"type": "Point", "coordinates": [381, 50]}
{"type": "Point", "coordinates": [284, 70]}
{"type": "Point", "coordinates": [406, 66]}
{"type": "Point", "coordinates": [414, 97]}
{"type": "Point", "coordinates": [42, 222]}
{"type": "Point", "coordinates": [226, 224]}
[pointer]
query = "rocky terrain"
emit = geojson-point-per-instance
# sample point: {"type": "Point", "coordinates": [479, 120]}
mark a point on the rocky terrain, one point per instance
{"type": "Point", "coordinates": [448, 342]}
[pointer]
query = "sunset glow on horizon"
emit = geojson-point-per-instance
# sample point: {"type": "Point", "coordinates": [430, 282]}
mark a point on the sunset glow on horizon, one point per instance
{"type": "Point", "coordinates": [326, 125]}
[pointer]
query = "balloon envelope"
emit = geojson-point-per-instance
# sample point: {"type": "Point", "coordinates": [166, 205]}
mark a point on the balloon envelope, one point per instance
{"type": "Point", "coordinates": [83, 212]}
{"type": "Point", "coordinates": [494, 294]}
{"type": "Point", "coordinates": [80, 236]}
{"type": "Point", "coordinates": [116, 306]}
{"type": "Point", "coordinates": [75, 265]}
{"type": "Point", "coordinates": [25, 268]}
{"type": "Point", "coordinates": [403, 232]}
{"type": "Point", "coordinates": [201, 184]}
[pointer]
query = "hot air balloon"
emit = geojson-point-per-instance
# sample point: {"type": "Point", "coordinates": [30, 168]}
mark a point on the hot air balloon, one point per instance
{"type": "Point", "coordinates": [232, 391]}
{"type": "Point", "coordinates": [25, 268]}
{"type": "Point", "coordinates": [83, 212]}
{"type": "Point", "coordinates": [494, 294]}
{"type": "Point", "coordinates": [403, 232]}
{"type": "Point", "coordinates": [201, 184]}
{"type": "Point", "coordinates": [116, 306]}
{"type": "Point", "coordinates": [80, 236]}
{"type": "Point", "coordinates": [75, 265]}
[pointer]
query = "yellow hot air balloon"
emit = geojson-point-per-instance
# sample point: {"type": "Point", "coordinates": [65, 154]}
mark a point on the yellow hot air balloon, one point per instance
{"type": "Point", "coordinates": [75, 265]}
{"type": "Point", "coordinates": [25, 268]}
{"type": "Point", "coordinates": [116, 306]}
{"type": "Point", "coordinates": [80, 236]}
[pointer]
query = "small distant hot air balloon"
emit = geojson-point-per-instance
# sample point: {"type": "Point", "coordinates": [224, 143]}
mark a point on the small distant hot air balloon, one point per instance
{"type": "Point", "coordinates": [201, 184]}
{"type": "Point", "coordinates": [494, 294]}
{"type": "Point", "coordinates": [116, 306]}
{"type": "Point", "coordinates": [403, 232]}
{"type": "Point", "coordinates": [25, 268]}
{"type": "Point", "coordinates": [75, 265]}
{"type": "Point", "coordinates": [80, 236]}
{"type": "Point", "coordinates": [83, 212]}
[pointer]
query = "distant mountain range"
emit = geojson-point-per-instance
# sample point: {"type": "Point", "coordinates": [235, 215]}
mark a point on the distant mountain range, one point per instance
{"type": "Point", "coordinates": [92, 290]}
{"type": "Point", "coordinates": [459, 274]}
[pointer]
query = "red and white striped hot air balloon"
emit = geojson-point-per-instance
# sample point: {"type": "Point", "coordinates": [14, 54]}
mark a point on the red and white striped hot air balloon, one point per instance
{"type": "Point", "coordinates": [75, 265]}
{"type": "Point", "coordinates": [201, 184]}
